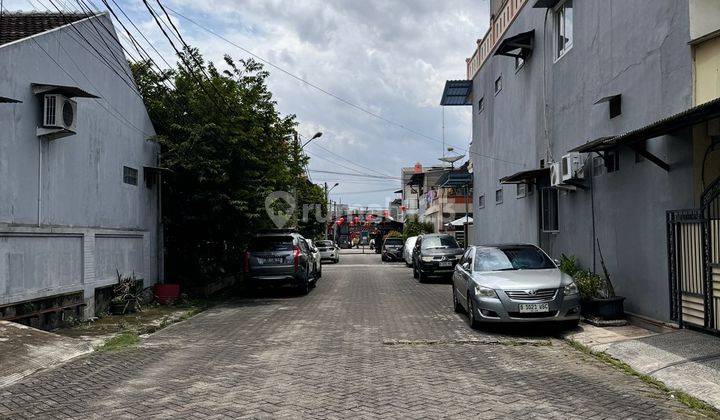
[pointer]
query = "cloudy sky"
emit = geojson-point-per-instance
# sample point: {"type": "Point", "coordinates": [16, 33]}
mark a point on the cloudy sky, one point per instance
{"type": "Point", "coordinates": [388, 57]}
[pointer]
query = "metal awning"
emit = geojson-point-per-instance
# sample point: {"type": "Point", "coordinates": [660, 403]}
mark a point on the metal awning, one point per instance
{"type": "Point", "coordinates": [416, 179]}
{"type": "Point", "coordinates": [635, 139]}
{"type": "Point", "coordinates": [601, 144]}
{"type": "Point", "coordinates": [457, 93]}
{"type": "Point", "coordinates": [615, 103]}
{"type": "Point", "coordinates": [4, 100]}
{"type": "Point", "coordinates": [460, 222]}
{"type": "Point", "coordinates": [150, 173]}
{"type": "Point", "coordinates": [525, 176]}
{"type": "Point", "coordinates": [546, 4]}
{"type": "Point", "coordinates": [520, 45]}
{"type": "Point", "coordinates": [455, 179]}
{"type": "Point", "coordinates": [69, 91]}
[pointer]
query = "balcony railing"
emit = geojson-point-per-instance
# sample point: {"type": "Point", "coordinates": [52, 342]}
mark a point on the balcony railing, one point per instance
{"type": "Point", "coordinates": [498, 26]}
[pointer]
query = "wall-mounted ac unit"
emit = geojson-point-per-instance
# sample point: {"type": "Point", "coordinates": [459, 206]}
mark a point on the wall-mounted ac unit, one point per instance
{"type": "Point", "coordinates": [59, 112]}
{"type": "Point", "coordinates": [572, 166]}
{"type": "Point", "coordinates": [555, 175]}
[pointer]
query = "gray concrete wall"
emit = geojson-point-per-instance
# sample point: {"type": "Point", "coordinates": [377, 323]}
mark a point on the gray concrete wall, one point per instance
{"type": "Point", "coordinates": [638, 49]}
{"type": "Point", "coordinates": [90, 223]}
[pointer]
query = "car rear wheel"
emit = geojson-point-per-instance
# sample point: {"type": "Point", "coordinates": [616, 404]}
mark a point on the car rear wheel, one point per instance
{"type": "Point", "coordinates": [304, 287]}
{"type": "Point", "coordinates": [474, 323]}
{"type": "Point", "coordinates": [456, 302]}
{"type": "Point", "coordinates": [384, 258]}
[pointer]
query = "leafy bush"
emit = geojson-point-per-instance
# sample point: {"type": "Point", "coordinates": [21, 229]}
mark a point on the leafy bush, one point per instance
{"type": "Point", "coordinates": [569, 264]}
{"type": "Point", "coordinates": [589, 284]}
{"type": "Point", "coordinates": [413, 227]}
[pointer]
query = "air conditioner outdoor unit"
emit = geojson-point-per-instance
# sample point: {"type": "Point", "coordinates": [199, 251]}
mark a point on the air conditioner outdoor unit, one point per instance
{"type": "Point", "coordinates": [555, 175]}
{"type": "Point", "coordinates": [59, 112]}
{"type": "Point", "coordinates": [572, 166]}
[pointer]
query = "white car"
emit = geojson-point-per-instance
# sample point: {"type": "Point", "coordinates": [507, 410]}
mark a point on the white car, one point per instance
{"type": "Point", "coordinates": [317, 264]}
{"type": "Point", "coordinates": [329, 251]}
{"type": "Point", "coordinates": [408, 249]}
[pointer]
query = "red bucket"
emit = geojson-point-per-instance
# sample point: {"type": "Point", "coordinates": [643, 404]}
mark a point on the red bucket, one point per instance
{"type": "Point", "coordinates": [166, 293]}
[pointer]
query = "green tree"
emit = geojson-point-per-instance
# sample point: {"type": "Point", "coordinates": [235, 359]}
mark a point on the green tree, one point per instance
{"type": "Point", "coordinates": [228, 147]}
{"type": "Point", "coordinates": [412, 227]}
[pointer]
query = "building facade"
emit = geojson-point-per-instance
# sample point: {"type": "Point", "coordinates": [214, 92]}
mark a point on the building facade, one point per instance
{"type": "Point", "coordinates": [79, 195]}
{"type": "Point", "coordinates": [624, 90]}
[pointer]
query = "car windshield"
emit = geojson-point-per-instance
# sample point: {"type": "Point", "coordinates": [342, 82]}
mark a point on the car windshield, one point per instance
{"type": "Point", "coordinates": [511, 258]}
{"type": "Point", "coordinates": [271, 243]}
{"type": "Point", "coordinates": [435, 242]}
{"type": "Point", "coordinates": [393, 241]}
{"type": "Point", "coordinates": [325, 243]}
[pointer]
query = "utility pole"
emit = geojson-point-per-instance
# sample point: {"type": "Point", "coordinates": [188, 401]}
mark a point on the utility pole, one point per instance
{"type": "Point", "coordinates": [327, 210]}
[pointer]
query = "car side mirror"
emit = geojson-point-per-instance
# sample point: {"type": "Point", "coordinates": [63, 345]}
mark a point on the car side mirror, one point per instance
{"type": "Point", "coordinates": [556, 261]}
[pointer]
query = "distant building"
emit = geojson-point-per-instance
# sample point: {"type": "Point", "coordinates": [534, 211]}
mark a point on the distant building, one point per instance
{"type": "Point", "coordinates": [79, 189]}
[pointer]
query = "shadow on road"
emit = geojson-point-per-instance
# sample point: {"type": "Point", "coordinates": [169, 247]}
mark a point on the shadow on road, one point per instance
{"type": "Point", "coordinates": [540, 330]}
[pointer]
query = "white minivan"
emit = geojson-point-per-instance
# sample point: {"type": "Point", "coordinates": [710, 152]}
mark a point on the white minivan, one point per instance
{"type": "Point", "coordinates": [407, 250]}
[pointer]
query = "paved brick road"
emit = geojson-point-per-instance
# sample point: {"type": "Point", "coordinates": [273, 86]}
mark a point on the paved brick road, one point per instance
{"type": "Point", "coordinates": [367, 342]}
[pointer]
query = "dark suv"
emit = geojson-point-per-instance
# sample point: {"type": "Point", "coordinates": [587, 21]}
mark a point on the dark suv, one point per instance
{"type": "Point", "coordinates": [435, 255]}
{"type": "Point", "coordinates": [279, 258]}
{"type": "Point", "coordinates": [392, 249]}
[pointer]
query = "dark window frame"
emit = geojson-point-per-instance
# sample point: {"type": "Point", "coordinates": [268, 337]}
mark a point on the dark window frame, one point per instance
{"type": "Point", "coordinates": [499, 198]}
{"type": "Point", "coordinates": [550, 215]}
{"type": "Point", "coordinates": [131, 176]}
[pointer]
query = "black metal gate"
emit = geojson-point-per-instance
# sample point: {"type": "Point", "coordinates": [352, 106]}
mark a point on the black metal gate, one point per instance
{"type": "Point", "coordinates": [694, 262]}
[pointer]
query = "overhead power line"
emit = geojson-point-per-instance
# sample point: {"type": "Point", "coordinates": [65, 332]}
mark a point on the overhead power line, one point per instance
{"type": "Point", "coordinates": [181, 56]}
{"type": "Point", "coordinates": [335, 96]}
{"type": "Point", "coordinates": [352, 174]}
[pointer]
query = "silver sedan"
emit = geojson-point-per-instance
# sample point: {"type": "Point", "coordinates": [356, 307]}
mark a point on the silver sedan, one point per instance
{"type": "Point", "coordinates": [513, 283]}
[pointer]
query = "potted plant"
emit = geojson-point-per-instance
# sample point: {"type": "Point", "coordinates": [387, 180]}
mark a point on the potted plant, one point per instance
{"type": "Point", "coordinates": [597, 294]}
{"type": "Point", "coordinates": [126, 295]}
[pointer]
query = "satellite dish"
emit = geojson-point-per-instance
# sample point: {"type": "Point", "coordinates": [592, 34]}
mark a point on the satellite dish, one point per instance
{"type": "Point", "coordinates": [451, 159]}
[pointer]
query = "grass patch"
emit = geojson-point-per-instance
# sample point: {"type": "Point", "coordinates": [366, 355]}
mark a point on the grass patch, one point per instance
{"type": "Point", "coordinates": [124, 340]}
{"type": "Point", "coordinates": [703, 408]}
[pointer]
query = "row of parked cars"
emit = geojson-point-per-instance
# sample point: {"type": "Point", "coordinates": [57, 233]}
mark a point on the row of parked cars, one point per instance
{"type": "Point", "coordinates": [516, 283]}
{"type": "Point", "coordinates": [284, 257]}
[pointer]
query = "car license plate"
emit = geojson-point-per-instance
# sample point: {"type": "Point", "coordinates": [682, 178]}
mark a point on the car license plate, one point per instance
{"type": "Point", "coordinates": [272, 260]}
{"type": "Point", "coordinates": [533, 307]}
{"type": "Point", "coordinates": [445, 263]}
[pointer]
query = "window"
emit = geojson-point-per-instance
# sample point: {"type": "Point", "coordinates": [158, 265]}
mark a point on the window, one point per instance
{"type": "Point", "coordinates": [499, 196]}
{"type": "Point", "coordinates": [481, 105]}
{"type": "Point", "coordinates": [438, 242]}
{"type": "Point", "coordinates": [508, 258]}
{"type": "Point", "coordinates": [130, 175]}
{"type": "Point", "coordinates": [530, 189]}
{"type": "Point", "coordinates": [521, 190]}
{"type": "Point", "coordinates": [498, 85]}
{"type": "Point", "coordinates": [519, 62]}
{"type": "Point", "coordinates": [564, 28]}
{"type": "Point", "coordinates": [481, 202]}
{"type": "Point", "coordinates": [549, 200]}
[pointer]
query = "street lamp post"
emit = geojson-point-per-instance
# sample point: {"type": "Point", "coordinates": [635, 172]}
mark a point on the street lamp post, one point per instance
{"type": "Point", "coordinates": [316, 136]}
